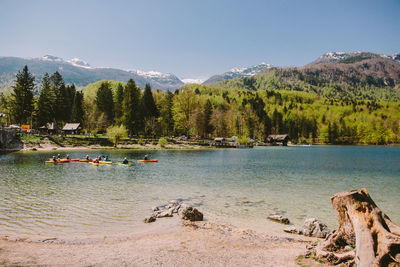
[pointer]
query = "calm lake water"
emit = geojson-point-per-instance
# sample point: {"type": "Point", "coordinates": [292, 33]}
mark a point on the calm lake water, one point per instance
{"type": "Point", "coordinates": [235, 186]}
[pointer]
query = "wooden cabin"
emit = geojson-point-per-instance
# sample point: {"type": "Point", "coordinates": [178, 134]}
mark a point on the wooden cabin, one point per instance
{"type": "Point", "coordinates": [278, 139]}
{"type": "Point", "coordinates": [71, 128]}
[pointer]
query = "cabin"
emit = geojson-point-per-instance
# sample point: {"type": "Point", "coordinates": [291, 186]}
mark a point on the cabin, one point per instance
{"type": "Point", "coordinates": [278, 139]}
{"type": "Point", "coordinates": [49, 128]}
{"type": "Point", "coordinates": [71, 128]}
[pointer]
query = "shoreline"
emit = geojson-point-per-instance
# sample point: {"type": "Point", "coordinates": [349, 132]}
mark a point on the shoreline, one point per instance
{"type": "Point", "coordinates": [165, 242]}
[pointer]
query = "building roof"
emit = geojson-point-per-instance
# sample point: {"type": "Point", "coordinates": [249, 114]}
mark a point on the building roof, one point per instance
{"type": "Point", "coordinates": [71, 126]}
{"type": "Point", "coordinates": [278, 137]}
{"type": "Point", "coordinates": [51, 126]}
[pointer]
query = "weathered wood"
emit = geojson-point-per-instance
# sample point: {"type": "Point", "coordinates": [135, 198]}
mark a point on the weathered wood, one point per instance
{"type": "Point", "coordinates": [363, 225]}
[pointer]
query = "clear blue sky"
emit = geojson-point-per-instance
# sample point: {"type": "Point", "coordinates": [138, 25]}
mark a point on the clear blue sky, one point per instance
{"type": "Point", "coordinates": [196, 38]}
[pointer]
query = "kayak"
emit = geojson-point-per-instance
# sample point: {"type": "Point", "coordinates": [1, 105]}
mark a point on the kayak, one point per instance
{"type": "Point", "coordinates": [76, 160]}
{"type": "Point", "coordinates": [50, 162]}
{"type": "Point", "coordinates": [84, 160]}
{"type": "Point", "coordinates": [121, 163]}
{"type": "Point", "coordinates": [105, 162]}
{"type": "Point", "coordinates": [95, 163]}
{"type": "Point", "coordinates": [64, 160]}
{"type": "Point", "coordinates": [148, 160]}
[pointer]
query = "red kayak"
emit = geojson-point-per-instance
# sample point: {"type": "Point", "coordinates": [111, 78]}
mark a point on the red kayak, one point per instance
{"type": "Point", "coordinates": [77, 160]}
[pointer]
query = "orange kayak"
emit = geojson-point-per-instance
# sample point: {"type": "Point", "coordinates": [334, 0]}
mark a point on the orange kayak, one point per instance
{"type": "Point", "coordinates": [64, 160]}
{"type": "Point", "coordinates": [77, 160]}
{"type": "Point", "coordinates": [149, 160]}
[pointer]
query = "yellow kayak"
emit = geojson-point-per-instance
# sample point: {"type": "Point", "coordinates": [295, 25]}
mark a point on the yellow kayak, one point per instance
{"type": "Point", "coordinates": [50, 162]}
{"type": "Point", "coordinates": [121, 163]}
{"type": "Point", "coordinates": [95, 163]}
{"type": "Point", "coordinates": [105, 162]}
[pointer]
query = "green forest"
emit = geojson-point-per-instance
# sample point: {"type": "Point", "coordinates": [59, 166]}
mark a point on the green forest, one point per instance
{"type": "Point", "coordinates": [229, 108]}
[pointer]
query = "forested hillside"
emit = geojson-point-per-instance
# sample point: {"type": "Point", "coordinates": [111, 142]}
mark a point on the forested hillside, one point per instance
{"type": "Point", "coordinates": [361, 76]}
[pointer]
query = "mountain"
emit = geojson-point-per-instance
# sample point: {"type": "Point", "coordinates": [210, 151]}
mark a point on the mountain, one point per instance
{"type": "Point", "coordinates": [80, 73]}
{"type": "Point", "coordinates": [238, 72]}
{"type": "Point", "coordinates": [360, 75]}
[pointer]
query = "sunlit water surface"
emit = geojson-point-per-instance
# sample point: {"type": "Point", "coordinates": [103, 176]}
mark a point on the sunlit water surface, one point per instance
{"type": "Point", "coordinates": [233, 186]}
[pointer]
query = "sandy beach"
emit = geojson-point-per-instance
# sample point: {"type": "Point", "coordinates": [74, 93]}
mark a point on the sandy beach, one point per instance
{"type": "Point", "coordinates": [191, 244]}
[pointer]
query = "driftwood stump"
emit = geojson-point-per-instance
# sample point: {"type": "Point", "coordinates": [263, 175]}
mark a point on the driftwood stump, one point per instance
{"type": "Point", "coordinates": [364, 226]}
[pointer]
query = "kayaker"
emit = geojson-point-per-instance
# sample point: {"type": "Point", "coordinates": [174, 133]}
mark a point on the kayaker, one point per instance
{"type": "Point", "coordinates": [106, 158]}
{"type": "Point", "coordinates": [87, 157]}
{"type": "Point", "coordinates": [99, 158]}
{"type": "Point", "coordinates": [96, 161]}
{"type": "Point", "coordinates": [54, 158]}
{"type": "Point", "coordinates": [146, 157]}
{"type": "Point", "coordinates": [58, 156]}
{"type": "Point", "coordinates": [125, 161]}
{"type": "Point", "coordinates": [68, 157]}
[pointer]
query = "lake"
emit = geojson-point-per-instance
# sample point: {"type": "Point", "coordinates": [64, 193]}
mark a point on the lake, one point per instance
{"type": "Point", "coordinates": [231, 186]}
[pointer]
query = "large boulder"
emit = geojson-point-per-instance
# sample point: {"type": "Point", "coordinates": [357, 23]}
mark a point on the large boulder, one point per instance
{"type": "Point", "coordinates": [313, 227]}
{"type": "Point", "coordinates": [190, 213]}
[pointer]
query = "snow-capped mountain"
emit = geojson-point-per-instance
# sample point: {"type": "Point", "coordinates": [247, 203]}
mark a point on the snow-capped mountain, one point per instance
{"type": "Point", "coordinates": [81, 73]}
{"type": "Point", "coordinates": [239, 72]}
{"type": "Point", "coordinates": [333, 57]}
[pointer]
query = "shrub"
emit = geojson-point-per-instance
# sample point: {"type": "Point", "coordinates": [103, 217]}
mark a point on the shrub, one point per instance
{"type": "Point", "coordinates": [162, 142]}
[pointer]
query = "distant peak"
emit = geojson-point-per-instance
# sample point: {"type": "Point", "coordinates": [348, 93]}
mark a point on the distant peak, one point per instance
{"type": "Point", "coordinates": [51, 58]}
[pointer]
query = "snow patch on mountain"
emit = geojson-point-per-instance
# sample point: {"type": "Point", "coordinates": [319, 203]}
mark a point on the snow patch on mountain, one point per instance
{"type": "Point", "coordinates": [79, 63]}
{"type": "Point", "coordinates": [51, 58]}
{"type": "Point", "coordinates": [192, 81]}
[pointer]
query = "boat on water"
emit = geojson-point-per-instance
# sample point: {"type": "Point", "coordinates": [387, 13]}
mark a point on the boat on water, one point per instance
{"type": "Point", "coordinates": [148, 160]}
{"type": "Point", "coordinates": [121, 163]}
{"type": "Point", "coordinates": [95, 163]}
{"type": "Point", "coordinates": [50, 162]}
{"type": "Point", "coordinates": [84, 160]}
{"type": "Point", "coordinates": [63, 160]}
{"type": "Point", "coordinates": [105, 162]}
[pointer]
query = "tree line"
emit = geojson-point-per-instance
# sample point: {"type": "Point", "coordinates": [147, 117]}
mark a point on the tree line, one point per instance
{"type": "Point", "coordinates": [204, 111]}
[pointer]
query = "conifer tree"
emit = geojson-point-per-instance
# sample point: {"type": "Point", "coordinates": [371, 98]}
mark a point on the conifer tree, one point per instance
{"type": "Point", "coordinates": [45, 104]}
{"type": "Point", "coordinates": [149, 106]}
{"type": "Point", "coordinates": [208, 110]}
{"type": "Point", "coordinates": [119, 97]}
{"type": "Point", "coordinates": [77, 112]}
{"type": "Point", "coordinates": [104, 101]}
{"type": "Point", "coordinates": [131, 107]}
{"type": "Point", "coordinates": [22, 96]}
{"type": "Point", "coordinates": [60, 104]}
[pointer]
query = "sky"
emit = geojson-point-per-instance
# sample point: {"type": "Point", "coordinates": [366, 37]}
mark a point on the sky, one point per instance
{"type": "Point", "coordinates": [196, 39]}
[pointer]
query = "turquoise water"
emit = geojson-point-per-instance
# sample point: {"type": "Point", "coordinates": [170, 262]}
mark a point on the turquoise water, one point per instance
{"type": "Point", "coordinates": [235, 186]}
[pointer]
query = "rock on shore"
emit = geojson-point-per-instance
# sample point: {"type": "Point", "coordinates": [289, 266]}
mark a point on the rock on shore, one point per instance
{"type": "Point", "coordinates": [184, 211]}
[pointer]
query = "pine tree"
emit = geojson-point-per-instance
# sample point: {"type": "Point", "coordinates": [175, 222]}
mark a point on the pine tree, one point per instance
{"type": "Point", "coordinates": [131, 107]}
{"type": "Point", "coordinates": [60, 104]}
{"type": "Point", "coordinates": [208, 110]}
{"type": "Point", "coordinates": [22, 97]}
{"type": "Point", "coordinates": [45, 104]}
{"type": "Point", "coordinates": [77, 112]}
{"type": "Point", "coordinates": [149, 106]}
{"type": "Point", "coordinates": [104, 101]}
{"type": "Point", "coordinates": [119, 97]}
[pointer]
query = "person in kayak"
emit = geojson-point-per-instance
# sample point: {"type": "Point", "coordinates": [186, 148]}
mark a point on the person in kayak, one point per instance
{"type": "Point", "coordinates": [96, 160]}
{"type": "Point", "coordinates": [54, 159]}
{"type": "Point", "coordinates": [68, 157]}
{"type": "Point", "coordinates": [99, 158]}
{"type": "Point", "coordinates": [106, 158]}
{"type": "Point", "coordinates": [58, 156]}
{"type": "Point", "coordinates": [146, 157]}
{"type": "Point", "coordinates": [87, 157]}
{"type": "Point", "coordinates": [125, 161]}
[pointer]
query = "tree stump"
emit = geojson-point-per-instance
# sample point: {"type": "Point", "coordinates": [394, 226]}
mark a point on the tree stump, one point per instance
{"type": "Point", "coordinates": [364, 226]}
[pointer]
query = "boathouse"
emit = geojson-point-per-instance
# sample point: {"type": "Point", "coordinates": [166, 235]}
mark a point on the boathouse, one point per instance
{"type": "Point", "coordinates": [278, 139]}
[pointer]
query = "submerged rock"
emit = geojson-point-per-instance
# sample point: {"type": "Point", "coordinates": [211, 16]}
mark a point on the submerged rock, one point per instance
{"type": "Point", "coordinates": [190, 213]}
{"type": "Point", "coordinates": [292, 230]}
{"type": "Point", "coordinates": [313, 227]}
{"type": "Point", "coordinates": [149, 219]}
{"type": "Point", "coordinates": [279, 218]}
